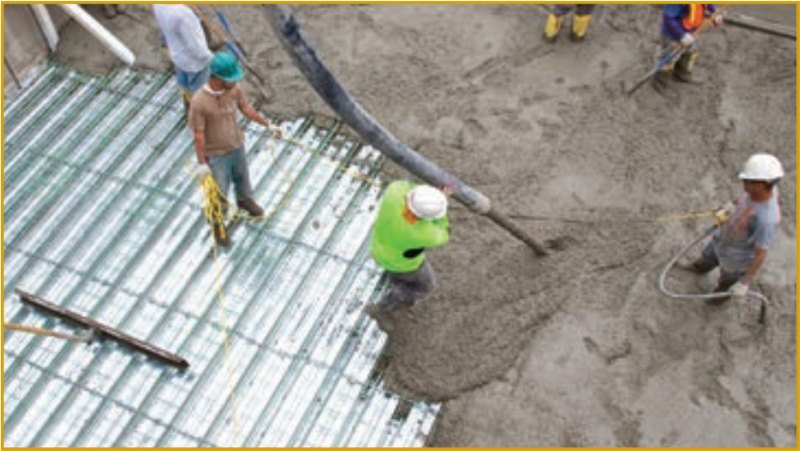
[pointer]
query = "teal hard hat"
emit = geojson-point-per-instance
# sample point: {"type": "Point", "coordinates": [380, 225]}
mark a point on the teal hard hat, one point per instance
{"type": "Point", "coordinates": [224, 66]}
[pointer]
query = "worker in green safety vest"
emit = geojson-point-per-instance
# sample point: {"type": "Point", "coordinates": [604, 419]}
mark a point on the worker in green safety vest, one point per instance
{"type": "Point", "coordinates": [411, 219]}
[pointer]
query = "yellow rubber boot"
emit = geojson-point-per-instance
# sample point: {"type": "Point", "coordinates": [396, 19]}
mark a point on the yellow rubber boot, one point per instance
{"type": "Point", "coordinates": [552, 27]}
{"type": "Point", "coordinates": [580, 25]}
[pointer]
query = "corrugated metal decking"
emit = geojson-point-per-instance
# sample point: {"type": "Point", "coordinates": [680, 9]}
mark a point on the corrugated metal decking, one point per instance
{"type": "Point", "coordinates": [102, 216]}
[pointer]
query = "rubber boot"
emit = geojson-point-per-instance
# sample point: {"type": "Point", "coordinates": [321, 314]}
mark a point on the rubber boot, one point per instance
{"type": "Point", "coordinates": [580, 26]}
{"type": "Point", "coordinates": [552, 27]}
{"type": "Point", "coordinates": [250, 206]}
{"type": "Point", "coordinates": [221, 235]}
{"type": "Point", "coordinates": [723, 286]}
{"type": "Point", "coordinates": [684, 66]}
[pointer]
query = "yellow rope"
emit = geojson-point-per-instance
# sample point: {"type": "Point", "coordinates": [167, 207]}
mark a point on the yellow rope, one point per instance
{"type": "Point", "coordinates": [215, 215]}
{"type": "Point", "coordinates": [214, 202]}
{"type": "Point", "coordinates": [686, 216]}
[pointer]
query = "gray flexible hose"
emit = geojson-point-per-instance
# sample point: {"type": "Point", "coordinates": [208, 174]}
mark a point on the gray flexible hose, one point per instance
{"type": "Point", "coordinates": [662, 286]}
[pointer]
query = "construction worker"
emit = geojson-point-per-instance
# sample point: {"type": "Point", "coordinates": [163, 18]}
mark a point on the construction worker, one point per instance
{"type": "Point", "coordinates": [411, 219]}
{"type": "Point", "coordinates": [679, 22]}
{"type": "Point", "coordinates": [188, 49]}
{"type": "Point", "coordinates": [580, 22]}
{"type": "Point", "coordinates": [739, 246]}
{"type": "Point", "coordinates": [218, 140]}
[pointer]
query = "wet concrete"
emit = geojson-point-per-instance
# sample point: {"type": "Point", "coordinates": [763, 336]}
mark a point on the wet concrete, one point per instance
{"type": "Point", "coordinates": [579, 348]}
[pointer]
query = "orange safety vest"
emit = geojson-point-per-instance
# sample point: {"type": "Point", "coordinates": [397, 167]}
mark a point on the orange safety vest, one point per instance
{"type": "Point", "coordinates": [694, 18]}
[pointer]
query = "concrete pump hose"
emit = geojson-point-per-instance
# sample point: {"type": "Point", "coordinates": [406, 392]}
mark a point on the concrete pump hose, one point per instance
{"type": "Point", "coordinates": [663, 277]}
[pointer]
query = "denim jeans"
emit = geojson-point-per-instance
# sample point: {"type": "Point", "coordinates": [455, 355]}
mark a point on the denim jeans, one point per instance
{"type": "Point", "coordinates": [191, 81]}
{"type": "Point", "coordinates": [231, 167]}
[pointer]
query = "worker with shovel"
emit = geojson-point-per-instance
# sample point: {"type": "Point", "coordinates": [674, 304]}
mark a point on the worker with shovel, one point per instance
{"type": "Point", "coordinates": [679, 23]}
{"type": "Point", "coordinates": [411, 219]}
{"type": "Point", "coordinates": [218, 140]}
{"type": "Point", "coordinates": [739, 245]}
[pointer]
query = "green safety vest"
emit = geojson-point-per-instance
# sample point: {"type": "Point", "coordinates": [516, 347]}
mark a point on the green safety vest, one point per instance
{"type": "Point", "coordinates": [397, 244]}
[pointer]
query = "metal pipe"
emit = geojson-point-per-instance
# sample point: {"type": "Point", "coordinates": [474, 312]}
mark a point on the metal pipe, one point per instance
{"type": "Point", "coordinates": [100, 32]}
{"type": "Point", "coordinates": [662, 280]}
{"type": "Point", "coordinates": [13, 72]}
{"type": "Point", "coordinates": [46, 25]}
{"type": "Point", "coordinates": [322, 80]}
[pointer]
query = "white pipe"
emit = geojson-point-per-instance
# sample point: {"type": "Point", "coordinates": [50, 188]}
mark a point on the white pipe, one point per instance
{"type": "Point", "coordinates": [93, 26]}
{"type": "Point", "coordinates": [46, 23]}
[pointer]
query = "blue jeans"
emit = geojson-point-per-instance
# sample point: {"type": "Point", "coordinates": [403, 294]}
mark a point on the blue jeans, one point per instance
{"type": "Point", "coordinates": [191, 81]}
{"type": "Point", "coordinates": [231, 167]}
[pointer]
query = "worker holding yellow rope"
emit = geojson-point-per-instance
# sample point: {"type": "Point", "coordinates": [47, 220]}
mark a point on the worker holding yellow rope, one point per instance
{"type": "Point", "coordinates": [219, 142]}
{"type": "Point", "coordinates": [740, 243]}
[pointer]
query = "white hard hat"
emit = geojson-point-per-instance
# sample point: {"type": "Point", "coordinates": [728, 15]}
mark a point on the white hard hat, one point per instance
{"type": "Point", "coordinates": [762, 166]}
{"type": "Point", "coordinates": [427, 202]}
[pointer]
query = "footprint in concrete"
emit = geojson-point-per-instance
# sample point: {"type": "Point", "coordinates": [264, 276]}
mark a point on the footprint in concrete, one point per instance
{"type": "Point", "coordinates": [560, 243]}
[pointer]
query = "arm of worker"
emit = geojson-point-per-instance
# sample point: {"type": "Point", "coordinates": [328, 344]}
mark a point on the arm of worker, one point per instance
{"type": "Point", "coordinates": [755, 265]}
{"type": "Point", "coordinates": [762, 238]}
{"type": "Point", "coordinates": [672, 16]}
{"type": "Point", "coordinates": [251, 113]}
{"type": "Point", "coordinates": [200, 146]}
{"type": "Point", "coordinates": [197, 124]}
{"type": "Point", "coordinates": [716, 18]}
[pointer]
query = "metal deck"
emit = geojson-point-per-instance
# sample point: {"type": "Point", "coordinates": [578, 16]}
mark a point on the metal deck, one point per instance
{"type": "Point", "coordinates": [103, 216]}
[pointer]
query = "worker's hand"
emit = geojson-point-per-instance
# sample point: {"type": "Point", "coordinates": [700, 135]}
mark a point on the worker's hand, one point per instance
{"type": "Point", "coordinates": [739, 290]}
{"type": "Point", "coordinates": [276, 131]}
{"type": "Point", "coordinates": [448, 189]}
{"type": "Point", "coordinates": [723, 214]}
{"type": "Point", "coordinates": [202, 171]}
{"type": "Point", "coordinates": [687, 39]}
{"type": "Point", "coordinates": [717, 20]}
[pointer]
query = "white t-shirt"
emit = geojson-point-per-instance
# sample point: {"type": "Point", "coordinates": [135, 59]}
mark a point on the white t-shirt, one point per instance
{"type": "Point", "coordinates": [184, 36]}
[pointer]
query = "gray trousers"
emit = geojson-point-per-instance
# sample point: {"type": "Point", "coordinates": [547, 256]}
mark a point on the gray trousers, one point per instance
{"type": "Point", "coordinates": [561, 9]}
{"type": "Point", "coordinates": [708, 260]}
{"type": "Point", "coordinates": [407, 288]}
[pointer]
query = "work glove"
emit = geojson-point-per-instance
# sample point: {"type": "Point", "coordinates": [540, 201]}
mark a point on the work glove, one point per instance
{"type": "Point", "coordinates": [202, 171]}
{"type": "Point", "coordinates": [448, 189]}
{"type": "Point", "coordinates": [687, 39]}
{"type": "Point", "coordinates": [717, 20]}
{"type": "Point", "coordinates": [739, 290]}
{"type": "Point", "coordinates": [723, 214]}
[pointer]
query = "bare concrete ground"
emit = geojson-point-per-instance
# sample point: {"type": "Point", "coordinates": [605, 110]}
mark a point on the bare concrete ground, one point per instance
{"type": "Point", "coordinates": [579, 348]}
